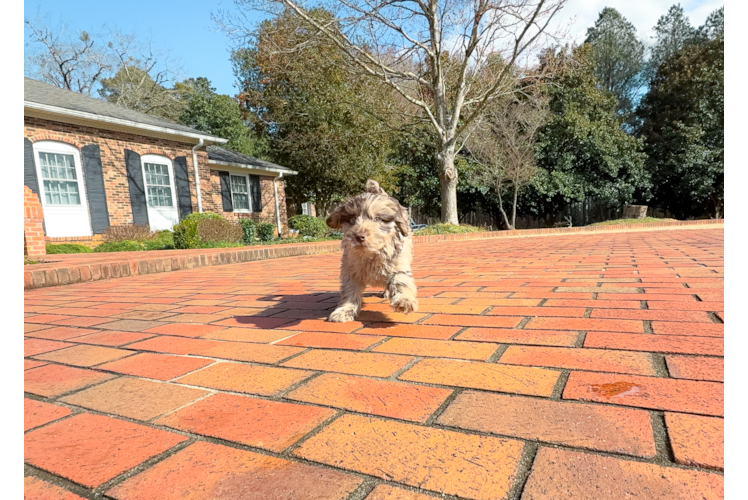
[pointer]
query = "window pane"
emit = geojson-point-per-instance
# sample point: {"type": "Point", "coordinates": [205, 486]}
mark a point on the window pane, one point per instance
{"type": "Point", "coordinates": [238, 184]}
{"type": "Point", "coordinates": [61, 192]}
{"type": "Point", "coordinates": [159, 196]}
{"type": "Point", "coordinates": [156, 175]}
{"type": "Point", "coordinates": [57, 166]}
{"type": "Point", "coordinates": [241, 201]}
{"type": "Point", "coordinates": [240, 192]}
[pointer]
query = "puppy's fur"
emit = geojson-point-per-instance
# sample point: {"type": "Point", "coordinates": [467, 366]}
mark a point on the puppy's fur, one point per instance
{"type": "Point", "coordinates": [377, 251]}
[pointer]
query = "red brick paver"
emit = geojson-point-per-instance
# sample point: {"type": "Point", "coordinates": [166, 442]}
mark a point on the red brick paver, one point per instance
{"type": "Point", "coordinates": [561, 474]}
{"type": "Point", "coordinates": [36, 413]}
{"type": "Point", "coordinates": [448, 462]}
{"type": "Point", "coordinates": [255, 422]}
{"type": "Point", "coordinates": [209, 471]}
{"type": "Point", "coordinates": [92, 449]}
{"type": "Point", "coordinates": [569, 366]}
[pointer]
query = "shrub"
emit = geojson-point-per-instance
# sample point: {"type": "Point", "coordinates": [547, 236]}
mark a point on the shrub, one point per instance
{"type": "Point", "coordinates": [308, 225]}
{"type": "Point", "coordinates": [67, 248]}
{"type": "Point", "coordinates": [249, 228]}
{"type": "Point", "coordinates": [265, 231]}
{"type": "Point", "coordinates": [131, 232]}
{"type": "Point", "coordinates": [447, 229]}
{"type": "Point", "coordinates": [120, 246]}
{"type": "Point", "coordinates": [186, 232]}
{"type": "Point", "coordinates": [219, 230]}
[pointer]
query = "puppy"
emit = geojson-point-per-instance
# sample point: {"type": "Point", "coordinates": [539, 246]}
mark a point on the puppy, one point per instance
{"type": "Point", "coordinates": [377, 251]}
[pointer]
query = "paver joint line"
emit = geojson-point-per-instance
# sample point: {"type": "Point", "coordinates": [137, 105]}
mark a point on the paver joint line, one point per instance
{"type": "Point", "coordinates": [594, 358]}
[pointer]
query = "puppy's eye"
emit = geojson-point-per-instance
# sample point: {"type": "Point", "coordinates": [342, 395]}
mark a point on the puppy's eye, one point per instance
{"type": "Point", "coordinates": [377, 219]}
{"type": "Point", "coordinates": [352, 221]}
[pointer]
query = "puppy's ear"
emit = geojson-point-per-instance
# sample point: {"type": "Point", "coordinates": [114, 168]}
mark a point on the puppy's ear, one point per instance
{"type": "Point", "coordinates": [402, 220]}
{"type": "Point", "coordinates": [335, 219]}
{"type": "Point", "coordinates": [372, 187]}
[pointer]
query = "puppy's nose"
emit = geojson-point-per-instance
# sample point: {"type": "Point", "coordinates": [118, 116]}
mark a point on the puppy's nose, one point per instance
{"type": "Point", "coordinates": [360, 238]}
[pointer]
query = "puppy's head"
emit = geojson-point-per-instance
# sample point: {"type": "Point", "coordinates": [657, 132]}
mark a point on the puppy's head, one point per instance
{"type": "Point", "coordinates": [371, 221]}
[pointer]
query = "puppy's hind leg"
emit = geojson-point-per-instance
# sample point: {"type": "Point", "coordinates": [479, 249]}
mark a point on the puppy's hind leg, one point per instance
{"type": "Point", "coordinates": [401, 289]}
{"type": "Point", "coordinates": [349, 305]}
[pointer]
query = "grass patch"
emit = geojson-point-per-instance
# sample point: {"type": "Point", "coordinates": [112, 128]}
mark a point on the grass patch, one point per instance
{"type": "Point", "coordinates": [27, 260]}
{"type": "Point", "coordinates": [448, 229]}
{"type": "Point", "coordinates": [632, 221]}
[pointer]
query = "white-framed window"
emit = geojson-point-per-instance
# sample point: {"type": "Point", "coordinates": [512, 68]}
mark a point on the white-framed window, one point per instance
{"type": "Point", "coordinates": [306, 208]}
{"type": "Point", "coordinates": [161, 196]}
{"type": "Point", "coordinates": [158, 182]}
{"type": "Point", "coordinates": [241, 195]}
{"type": "Point", "coordinates": [62, 189]}
{"type": "Point", "coordinates": [59, 165]}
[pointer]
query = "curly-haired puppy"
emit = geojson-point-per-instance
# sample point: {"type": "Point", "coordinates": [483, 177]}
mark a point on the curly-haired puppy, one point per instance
{"type": "Point", "coordinates": [377, 251]}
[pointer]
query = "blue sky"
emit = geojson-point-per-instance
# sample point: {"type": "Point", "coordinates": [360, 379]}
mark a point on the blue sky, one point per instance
{"type": "Point", "coordinates": [187, 31]}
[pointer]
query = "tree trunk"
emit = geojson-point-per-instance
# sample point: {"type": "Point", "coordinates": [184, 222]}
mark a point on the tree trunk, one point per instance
{"type": "Point", "coordinates": [514, 206]}
{"type": "Point", "coordinates": [448, 181]}
{"type": "Point", "coordinates": [501, 208]}
{"type": "Point", "coordinates": [584, 212]}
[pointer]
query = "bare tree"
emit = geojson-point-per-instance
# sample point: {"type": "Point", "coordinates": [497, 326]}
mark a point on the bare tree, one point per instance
{"type": "Point", "coordinates": [144, 78]}
{"type": "Point", "coordinates": [438, 55]}
{"type": "Point", "coordinates": [503, 143]}
{"type": "Point", "coordinates": [131, 72]}
{"type": "Point", "coordinates": [76, 62]}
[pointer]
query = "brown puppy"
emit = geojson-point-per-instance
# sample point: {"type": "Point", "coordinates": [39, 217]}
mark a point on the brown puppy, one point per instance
{"type": "Point", "coordinates": [377, 251]}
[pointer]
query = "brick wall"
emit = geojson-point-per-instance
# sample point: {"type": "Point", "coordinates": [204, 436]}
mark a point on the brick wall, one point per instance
{"type": "Point", "coordinates": [33, 229]}
{"type": "Point", "coordinates": [214, 203]}
{"type": "Point", "coordinates": [112, 147]}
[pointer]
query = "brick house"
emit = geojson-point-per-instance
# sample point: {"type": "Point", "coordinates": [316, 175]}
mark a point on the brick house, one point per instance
{"type": "Point", "coordinates": [93, 165]}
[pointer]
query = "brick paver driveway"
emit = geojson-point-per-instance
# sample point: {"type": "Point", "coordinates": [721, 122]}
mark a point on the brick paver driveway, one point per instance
{"type": "Point", "coordinates": [583, 367]}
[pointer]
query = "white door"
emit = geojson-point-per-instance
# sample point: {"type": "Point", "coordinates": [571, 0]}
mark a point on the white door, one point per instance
{"type": "Point", "coordinates": [63, 194]}
{"type": "Point", "coordinates": [158, 175]}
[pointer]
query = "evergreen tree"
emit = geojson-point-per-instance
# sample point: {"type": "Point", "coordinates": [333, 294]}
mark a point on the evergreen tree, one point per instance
{"type": "Point", "coordinates": [618, 58]}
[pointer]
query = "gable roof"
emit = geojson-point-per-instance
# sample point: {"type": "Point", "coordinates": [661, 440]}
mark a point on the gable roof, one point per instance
{"type": "Point", "coordinates": [47, 101]}
{"type": "Point", "coordinates": [222, 156]}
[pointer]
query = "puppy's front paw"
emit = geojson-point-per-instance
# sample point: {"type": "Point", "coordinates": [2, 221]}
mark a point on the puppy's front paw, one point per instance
{"type": "Point", "coordinates": [404, 305]}
{"type": "Point", "coordinates": [341, 315]}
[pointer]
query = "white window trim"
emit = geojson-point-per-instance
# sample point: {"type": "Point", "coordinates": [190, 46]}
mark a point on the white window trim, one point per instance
{"type": "Point", "coordinates": [65, 149]}
{"type": "Point", "coordinates": [161, 160]}
{"type": "Point", "coordinates": [249, 193]}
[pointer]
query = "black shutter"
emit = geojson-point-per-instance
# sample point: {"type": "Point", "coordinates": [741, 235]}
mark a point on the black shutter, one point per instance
{"type": "Point", "coordinates": [184, 198]}
{"type": "Point", "coordinates": [254, 185]}
{"type": "Point", "coordinates": [29, 168]}
{"type": "Point", "coordinates": [228, 206]}
{"type": "Point", "coordinates": [138, 200]}
{"type": "Point", "coordinates": [95, 192]}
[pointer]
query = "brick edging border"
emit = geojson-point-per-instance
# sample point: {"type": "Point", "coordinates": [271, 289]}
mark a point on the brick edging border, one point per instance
{"type": "Point", "coordinates": [118, 268]}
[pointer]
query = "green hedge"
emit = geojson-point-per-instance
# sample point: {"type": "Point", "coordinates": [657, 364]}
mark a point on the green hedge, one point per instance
{"type": "Point", "coordinates": [67, 248]}
{"type": "Point", "coordinates": [186, 234]}
{"type": "Point", "coordinates": [308, 225]}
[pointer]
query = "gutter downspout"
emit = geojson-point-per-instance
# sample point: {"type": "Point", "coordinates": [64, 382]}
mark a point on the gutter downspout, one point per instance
{"type": "Point", "coordinates": [277, 207]}
{"type": "Point", "coordinates": [197, 175]}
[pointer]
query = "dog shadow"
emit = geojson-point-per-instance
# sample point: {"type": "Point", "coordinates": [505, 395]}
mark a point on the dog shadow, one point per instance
{"type": "Point", "coordinates": [289, 310]}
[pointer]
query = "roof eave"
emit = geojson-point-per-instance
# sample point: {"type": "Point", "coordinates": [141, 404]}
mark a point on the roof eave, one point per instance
{"type": "Point", "coordinates": [93, 119]}
{"type": "Point", "coordinates": [246, 166]}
